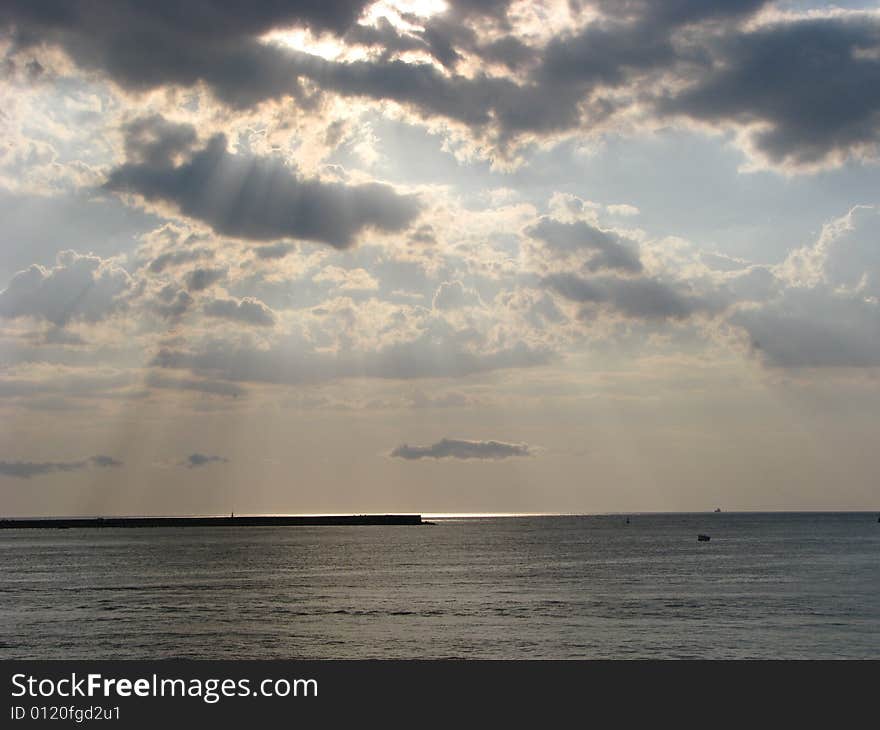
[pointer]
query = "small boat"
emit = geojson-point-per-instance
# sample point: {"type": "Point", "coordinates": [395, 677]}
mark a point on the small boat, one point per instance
{"type": "Point", "coordinates": [703, 538]}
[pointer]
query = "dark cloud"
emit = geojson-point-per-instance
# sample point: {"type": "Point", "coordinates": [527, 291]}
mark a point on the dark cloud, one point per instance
{"type": "Point", "coordinates": [604, 54]}
{"type": "Point", "coordinates": [146, 45]}
{"type": "Point", "coordinates": [79, 287]}
{"type": "Point", "coordinates": [200, 279]}
{"type": "Point", "coordinates": [193, 461]}
{"type": "Point", "coordinates": [637, 298]}
{"type": "Point", "coordinates": [105, 461]}
{"type": "Point", "coordinates": [610, 251]}
{"type": "Point", "coordinates": [673, 13]}
{"type": "Point", "coordinates": [171, 259]}
{"type": "Point", "coordinates": [813, 328]}
{"type": "Point", "coordinates": [261, 198]}
{"type": "Point", "coordinates": [171, 302]}
{"type": "Point", "coordinates": [247, 310]}
{"type": "Point", "coordinates": [457, 449]}
{"type": "Point", "coordinates": [28, 469]}
{"type": "Point", "coordinates": [423, 234]}
{"type": "Point", "coordinates": [274, 250]}
{"type": "Point", "coordinates": [812, 85]}
{"type": "Point", "coordinates": [155, 141]}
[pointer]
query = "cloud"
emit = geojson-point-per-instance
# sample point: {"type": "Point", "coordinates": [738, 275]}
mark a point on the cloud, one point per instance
{"type": "Point", "coordinates": [155, 141]}
{"type": "Point", "coordinates": [211, 387]}
{"type": "Point", "coordinates": [202, 278]}
{"type": "Point", "coordinates": [148, 45]}
{"type": "Point", "coordinates": [823, 310]}
{"type": "Point", "coordinates": [262, 198]}
{"type": "Point", "coordinates": [294, 361]}
{"type": "Point", "coordinates": [274, 250]}
{"type": "Point", "coordinates": [171, 259]}
{"type": "Point", "coordinates": [171, 302]}
{"type": "Point", "coordinates": [78, 287]}
{"type": "Point", "coordinates": [194, 461]}
{"type": "Point", "coordinates": [28, 469]}
{"type": "Point", "coordinates": [641, 298]}
{"type": "Point", "coordinates": [454, 295]}
{"type": "Point", "coordinates": [814, 328]}
{"type": "Point", "coordinates": [457, 449]}
{"type": "Point", "coordinates": [347, 279]}
{"type": "Point", "coordinates": [808, 86]}
{"type": "Point", "coordinates": [605, 249]}
{"type": "Point", "coordinates": [247, 310]}
{"type": "Point", "coordinates": [800, 86]}
{"type": "Point", "coordinates": [105, 461]}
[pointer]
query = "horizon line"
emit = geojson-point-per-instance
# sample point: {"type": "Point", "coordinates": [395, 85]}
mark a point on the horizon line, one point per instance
{"type": "Point", "coordinates": [453, 515]}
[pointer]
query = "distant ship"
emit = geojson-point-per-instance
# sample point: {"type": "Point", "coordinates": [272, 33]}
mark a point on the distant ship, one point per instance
{"type": "Point", "coordinates": [703, 538]}
{"type": "Point", "coordinates": [718, 509]}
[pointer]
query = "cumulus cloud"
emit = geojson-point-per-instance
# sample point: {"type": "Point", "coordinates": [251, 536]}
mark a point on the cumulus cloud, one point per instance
{"type": "Point", "coordinates": [262, 198]}
{"type": "Point", "coordinates": [454, 295]}
{"type": "Point", "coordinates": [640, 298]}
{"type": "Point", "coordinates": [171, 302]}
{"type": "Point", "coordinates": [247, 310]}
{"type": "Point", "coordinates": [805, 85]}
{"type": "Point", "coordinates": [194, 461]}
{"type": "Point", "coordinates": [78, 287]}
{"type": "Point", "coordinates": [823, 310]}
{"type": "Point", "coordinates": [798, 84]}
{"type": "Point", "coordinates": [604, 249]}
{"type": "Point", "coordinates": [144, 46]}
{"type": "Point", "coordinates": [28, 469]}
{"type": "Point", "coordinates": [171, 259]}
{"type": "Point", "coordinates": [201, 278]}
{"type": "Point", "coordinates": [347, 279]}
{"type": "Point", "coordinates": [458, 449]}
{"type": "Point", "coordinates": [814, 328]}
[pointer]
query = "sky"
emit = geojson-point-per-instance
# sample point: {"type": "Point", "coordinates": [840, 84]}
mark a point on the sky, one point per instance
{"type": "Point", "coordinates": [426, 256]}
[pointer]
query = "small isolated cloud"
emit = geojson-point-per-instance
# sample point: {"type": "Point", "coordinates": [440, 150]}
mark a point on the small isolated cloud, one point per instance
{"type": "Point", "coordinates": [459, 449]}
{"type": "Point", "coordinates": [28, 469]}
{"type": "Point", "coordinates": [196, 460]}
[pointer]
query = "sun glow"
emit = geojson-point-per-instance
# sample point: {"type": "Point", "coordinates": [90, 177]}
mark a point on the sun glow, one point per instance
{"type": "Point", "coordinates": [325, 46]}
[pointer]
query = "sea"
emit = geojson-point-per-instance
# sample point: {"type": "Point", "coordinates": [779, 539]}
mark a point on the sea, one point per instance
{"type": "Point", "coordinates": [640, 586]}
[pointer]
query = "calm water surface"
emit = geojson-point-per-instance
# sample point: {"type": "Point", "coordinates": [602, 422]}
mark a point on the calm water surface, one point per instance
{"type": "Point", "coordinates": [766, 586]}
